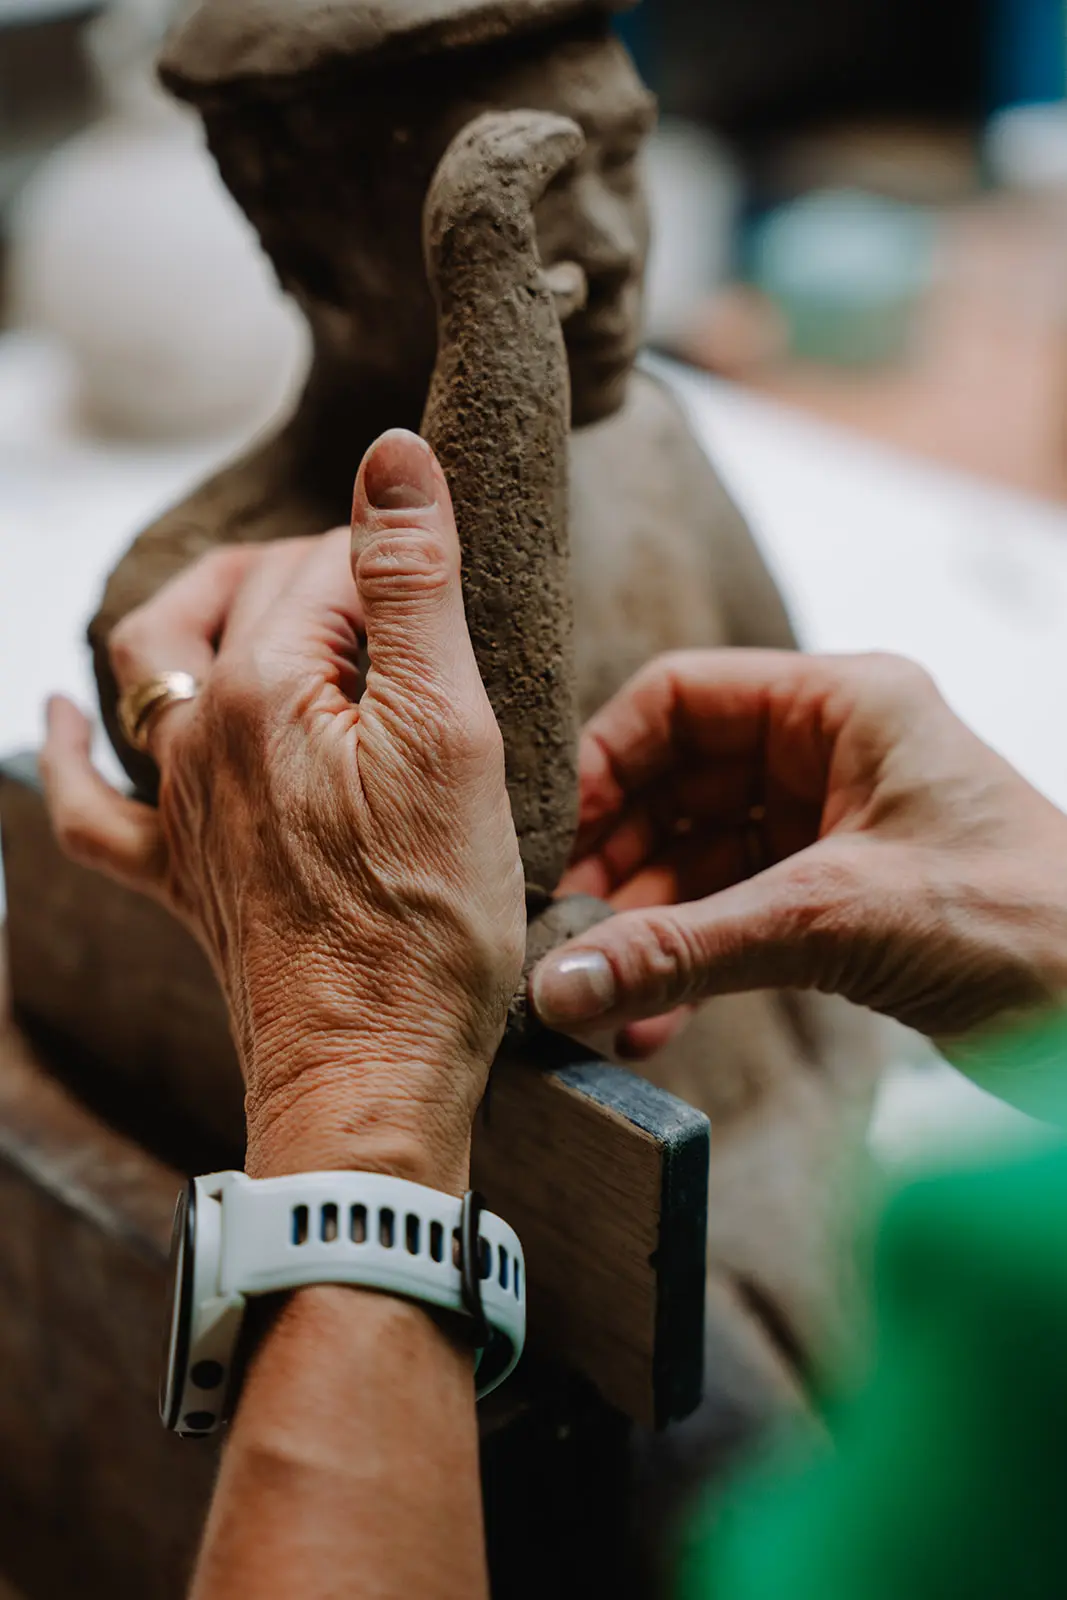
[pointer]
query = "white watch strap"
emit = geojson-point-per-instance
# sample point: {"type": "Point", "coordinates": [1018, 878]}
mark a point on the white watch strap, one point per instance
{"type": "Point", "coordinates": [365, 1228]}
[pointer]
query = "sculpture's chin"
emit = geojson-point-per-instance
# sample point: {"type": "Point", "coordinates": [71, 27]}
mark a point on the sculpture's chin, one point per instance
{"type": "Point", "coordinates": [597, 401]}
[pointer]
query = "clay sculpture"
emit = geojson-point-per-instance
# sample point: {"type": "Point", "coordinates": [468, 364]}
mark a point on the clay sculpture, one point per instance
{"type": "Point", "coordinates": [328, 123]}
{"type": "Point", "coordinates": [498, 416]}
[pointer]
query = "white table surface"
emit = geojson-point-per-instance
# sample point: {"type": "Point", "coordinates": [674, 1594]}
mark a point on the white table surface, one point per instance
{"type": "Point", "coordinates": [873, 549]}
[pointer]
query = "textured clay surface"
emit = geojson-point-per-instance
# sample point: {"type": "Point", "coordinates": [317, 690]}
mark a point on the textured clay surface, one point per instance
{"type": "Point", "coordinates": [498, 416]}
{"type": "Point", "coordinates": [235, 39]}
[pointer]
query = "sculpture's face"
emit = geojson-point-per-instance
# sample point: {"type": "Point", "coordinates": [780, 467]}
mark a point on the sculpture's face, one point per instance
{"type": "Point", "coordinates": [595, 212]}
{"type": "Point", "coordinates": [334, 180]}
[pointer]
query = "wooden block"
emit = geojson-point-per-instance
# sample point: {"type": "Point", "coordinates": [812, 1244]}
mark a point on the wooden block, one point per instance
{"type": "Point", "coordinates": [96, 1500]}
{"type": "Point", "coordinates": [603, 1176]}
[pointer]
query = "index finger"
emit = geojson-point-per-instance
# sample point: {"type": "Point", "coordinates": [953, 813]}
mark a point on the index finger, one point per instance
{"type": "Point", "coordinates": [768, 711]}
{"type": "Point", "coordinates": [177, 629]}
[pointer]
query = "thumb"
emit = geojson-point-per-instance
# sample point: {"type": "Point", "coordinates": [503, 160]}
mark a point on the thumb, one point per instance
{"type": "Point", "coordinates": [406, 564]}
{"type": "Point", "coordinates": [788, 928]}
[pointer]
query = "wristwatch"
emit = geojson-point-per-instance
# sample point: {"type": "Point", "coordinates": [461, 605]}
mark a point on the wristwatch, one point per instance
{"type": "Point", "coordinates": [237, 1237]}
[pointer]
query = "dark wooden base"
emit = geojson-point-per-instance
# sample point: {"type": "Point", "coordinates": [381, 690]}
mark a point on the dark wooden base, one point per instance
{"type": "Point", "coordinates": [95, 1499]}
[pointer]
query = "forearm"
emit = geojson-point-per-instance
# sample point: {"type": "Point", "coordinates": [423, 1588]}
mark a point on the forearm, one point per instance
{"type": "Point", "coordinates": [352, 1464]}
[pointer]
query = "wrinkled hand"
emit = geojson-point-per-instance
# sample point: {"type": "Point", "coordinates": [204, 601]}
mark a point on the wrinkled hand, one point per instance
{"type": "Point", "coordinates": [767, 820]}
{"type": "Point", "coordinates": [347, 859]}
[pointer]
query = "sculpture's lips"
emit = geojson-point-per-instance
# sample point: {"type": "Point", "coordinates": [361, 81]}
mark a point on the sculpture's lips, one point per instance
{"type": "Point", "coordinates": [610, 342]}
{"type": "Point", "coordinates": [600, 330]}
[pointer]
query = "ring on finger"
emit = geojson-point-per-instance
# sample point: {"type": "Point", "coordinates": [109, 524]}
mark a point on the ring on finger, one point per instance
{"type": "Point", "coordinates": [142, 704]}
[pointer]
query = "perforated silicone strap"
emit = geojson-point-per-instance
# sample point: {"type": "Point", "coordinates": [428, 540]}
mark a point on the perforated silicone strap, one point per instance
{"type": "Point", "coordinates": [372, 1230]}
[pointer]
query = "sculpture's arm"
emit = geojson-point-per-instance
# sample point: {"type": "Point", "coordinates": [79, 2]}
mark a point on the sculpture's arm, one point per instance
{"type": "Point", "coordinates": [746, 595]}
{"type": "Point", "coordinates": [749, 597]}
{"type": "Point", "coordinates": [498, 416]}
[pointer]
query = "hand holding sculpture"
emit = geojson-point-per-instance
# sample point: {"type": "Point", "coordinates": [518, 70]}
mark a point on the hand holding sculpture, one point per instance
{"type": "Point", "coordinates": [351, 868]}
{"type": "Point", "coordinates": [762, 819]}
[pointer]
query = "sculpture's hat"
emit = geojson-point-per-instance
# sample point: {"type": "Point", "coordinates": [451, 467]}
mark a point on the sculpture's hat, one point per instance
{"type": "Point", "coordinates": [223, 41]}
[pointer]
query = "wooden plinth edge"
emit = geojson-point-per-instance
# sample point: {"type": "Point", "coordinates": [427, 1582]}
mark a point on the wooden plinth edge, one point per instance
{"type": "Point", "coordinates": [95, 1499]}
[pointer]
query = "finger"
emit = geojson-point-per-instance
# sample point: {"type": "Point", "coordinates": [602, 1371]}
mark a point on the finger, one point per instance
{"type": "Point", "coordinates": [755, 711]}
{"type": "Point", "coordinates": [692, 861]}
{"type": "Point", "coordinates": [94, 824]}
{"type": "Point", "coordinates": [640, 1041]}
{"type": "Point", "coordinates": [617, 859]}
{"type": "Point", "coordinates": [406, 560]}
{"type": "Point", "coordinates": [621, 835]}
{"type": "Point", "coordinates": [299, 620]}
{"type": "Point", "coordinates": [694, 867]}
{"type": "Point", "coordinates": [281, 576]}
{"type": "Point", "coordinates": [177, 630]}
{"type": "Point", "coordinates": [793, 926]}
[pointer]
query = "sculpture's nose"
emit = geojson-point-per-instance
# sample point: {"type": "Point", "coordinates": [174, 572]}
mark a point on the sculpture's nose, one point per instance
{"type": "Point", "coordinates": [609, 246]}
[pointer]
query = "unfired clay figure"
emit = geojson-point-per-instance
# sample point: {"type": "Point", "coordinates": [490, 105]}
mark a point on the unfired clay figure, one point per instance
{"type": "Point", "coordinates": [328, 121]}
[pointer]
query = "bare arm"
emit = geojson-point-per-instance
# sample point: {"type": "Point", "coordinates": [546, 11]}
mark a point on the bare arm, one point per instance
{"type": "Point", "coordinates": [352, 1465]}
{"type": "Point", "coordinates": [346, 854]}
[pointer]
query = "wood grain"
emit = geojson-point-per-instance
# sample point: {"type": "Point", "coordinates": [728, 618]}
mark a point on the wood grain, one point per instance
{"type": "Point", "coordinates": [603, 1176]}
{"type": "Point", "coordinates": [96, 1500]}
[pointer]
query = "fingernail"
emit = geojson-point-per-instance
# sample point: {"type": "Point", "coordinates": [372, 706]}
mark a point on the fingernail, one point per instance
{"type": "Point", "coordinates": [573, 989]}
{"type": "Point", "coordinates": [399, 473]}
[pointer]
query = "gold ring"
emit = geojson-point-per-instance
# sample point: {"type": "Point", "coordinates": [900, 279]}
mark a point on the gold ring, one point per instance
{"type": "Point", "coordinates": [141, 705]}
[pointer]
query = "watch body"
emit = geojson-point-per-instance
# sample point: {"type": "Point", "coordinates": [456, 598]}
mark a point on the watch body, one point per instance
{"type": "Point", "coordinates": [235, 1237]}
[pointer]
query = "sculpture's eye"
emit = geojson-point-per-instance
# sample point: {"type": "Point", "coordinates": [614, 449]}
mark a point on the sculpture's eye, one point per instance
{"type": "Point", "coordinates": [620, 161]}
{"type": "Point", "coordinates": [562, 181]}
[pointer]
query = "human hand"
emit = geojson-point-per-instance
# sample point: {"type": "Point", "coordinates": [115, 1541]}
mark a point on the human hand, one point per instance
{"type": "Point", "coordinates": [768, 820]}
{"type": "Point", "coordinates": [348, 861]}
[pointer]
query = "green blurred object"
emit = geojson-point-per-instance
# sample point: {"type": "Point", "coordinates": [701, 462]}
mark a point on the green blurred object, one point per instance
{"type": "Point", "coordinates": [949, 1479]}
{"type": "Point", "coordinates": [1023, 1062]}
{"type": "Point", "coordinates": [847, 269]}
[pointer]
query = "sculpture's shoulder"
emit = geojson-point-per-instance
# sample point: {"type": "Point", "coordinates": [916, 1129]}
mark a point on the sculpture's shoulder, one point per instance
{"type": "Point", "coordinates": [652, 427]}
{"type": "Point", "coordinates": [662, 557]}
{"type": "Point", "coordinates": [650, 451]}
{"type": "Point", "coordinates": [257, 498]}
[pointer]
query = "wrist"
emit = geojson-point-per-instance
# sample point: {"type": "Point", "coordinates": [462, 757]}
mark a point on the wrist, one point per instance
{"type": "Point", "coordinates": [1012, 971]}
{"type": "Point", "coordinates": [335, 1081]}
{"type": "Point", "coordinates": [305, 1141]}
{"type": "Point", "coordinates": [328, 1108]}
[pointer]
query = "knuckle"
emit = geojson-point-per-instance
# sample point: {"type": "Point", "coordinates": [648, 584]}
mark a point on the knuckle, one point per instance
{"type": "Point", "coordinates": [127, 643]}
{"type": "Point", "coordinates": [814, 890]}
{"type": "Point", "coordinates": [470, 735]}
{"type": "Point", "coordinates": [73, 833]}
{"type": "Point", "coordinates": [446, 729]}
{"type": "Point", "coordinates": [408, 561]}
{"type": "Point", "coordinates": [454, 732]}
{"type": "Point", "coordinates": [899, 676]}
{"type": "Point", "coordinates": [222, 562]}
{"type": "Point", "coordinates": [238, 688]}
{"type": "Point", "coordinates": [818, 914]}
{"type": "Point", "coordinates": [661, 959]}
{"type": "Point", "coordinates": [665, 668]}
